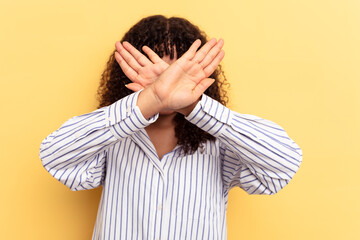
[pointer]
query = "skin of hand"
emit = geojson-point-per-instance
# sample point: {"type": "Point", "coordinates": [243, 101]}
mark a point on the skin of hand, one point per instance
{"type": "Point", "coordinates": [142, 72]}
{"type": "Point", "coordinates": [181, 84]}
{"type": "Point", "coordinates": [138, 68]}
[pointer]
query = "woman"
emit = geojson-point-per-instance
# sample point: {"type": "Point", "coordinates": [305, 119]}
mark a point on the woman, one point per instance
{"type": "Point", "coordinates": [163, 145]}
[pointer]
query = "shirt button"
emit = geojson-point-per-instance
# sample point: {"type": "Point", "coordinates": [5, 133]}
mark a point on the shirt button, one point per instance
{"type": "Point", "coordinates": [202, 148]}
{"type": "Point", "coordinates": [159, 207]}
{"type": "Point", "coordinates": [128, 110]}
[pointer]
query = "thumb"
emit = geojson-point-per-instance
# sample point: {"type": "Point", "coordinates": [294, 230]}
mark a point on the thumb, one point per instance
{"type": "Point", "coordinates": [134, 86]}
{"type": "Point", "coordinates": [202, 86]}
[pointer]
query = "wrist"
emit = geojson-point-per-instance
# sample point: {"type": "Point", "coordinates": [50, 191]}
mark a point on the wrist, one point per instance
{"type": "Point", "coordinates": [155, 98]}
{"type": "Point", "coordinates": [148, 103]}
{"type": "Point", "coordinates": [187, 110]}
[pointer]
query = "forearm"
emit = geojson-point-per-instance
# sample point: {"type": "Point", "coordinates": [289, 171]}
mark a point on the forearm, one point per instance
{"type": "Point", "coordinates": [251, 146]}
{"type": "Point", "coordinates": [81, 142]}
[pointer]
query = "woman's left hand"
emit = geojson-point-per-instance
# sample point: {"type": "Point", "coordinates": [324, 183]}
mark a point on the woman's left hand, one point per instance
{"type": "Point", "coordinates": [138, 68]}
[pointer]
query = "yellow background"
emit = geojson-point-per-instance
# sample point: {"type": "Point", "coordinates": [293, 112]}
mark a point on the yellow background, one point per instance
{"type": "Point", "coordinates": [296, 63]}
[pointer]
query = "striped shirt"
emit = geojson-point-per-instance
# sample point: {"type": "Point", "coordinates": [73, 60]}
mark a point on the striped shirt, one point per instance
{"type": "Point", "coordinates": [180, 196]}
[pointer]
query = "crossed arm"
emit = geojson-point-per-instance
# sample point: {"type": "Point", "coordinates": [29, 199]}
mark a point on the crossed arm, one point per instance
{"type": "Point", "coordinates": [176, 87]}
{"type": "Point", "coordinates": [257, 154]}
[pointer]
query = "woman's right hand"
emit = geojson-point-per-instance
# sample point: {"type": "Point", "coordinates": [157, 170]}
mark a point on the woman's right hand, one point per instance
{"type": "Point", "coordinates": [184, 81]}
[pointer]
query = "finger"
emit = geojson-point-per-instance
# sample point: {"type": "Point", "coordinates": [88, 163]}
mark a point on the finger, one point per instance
{"type": "Point", "coordinates": [212, 54]}
{"type": "Point", "coordinates": [151, 54]}
{"type": "Point", "coordinates": [130, 60]}
{"type": "Point", "coordinates": [139, 57]}
{"type": "Point", "coordinates": [202, 86]}
{"type": "Point", "coordinates": [129, 72]}
{"type": "Point", "coordinates": [190, 53]}
{"type": "Point", "coordinates": [134, 87]}
{"type": "Point", "coordinates": [200, 55]}
{"type": "Point", "coordinates": [213, 65]}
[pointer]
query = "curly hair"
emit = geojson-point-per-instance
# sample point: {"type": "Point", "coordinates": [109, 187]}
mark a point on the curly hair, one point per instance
{"type": "Point", "coordinates": [164, 36]}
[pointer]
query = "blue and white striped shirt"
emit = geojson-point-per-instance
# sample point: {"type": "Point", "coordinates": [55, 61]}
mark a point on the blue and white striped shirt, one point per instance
{"type": "Point", "coordinates": [177, 197]}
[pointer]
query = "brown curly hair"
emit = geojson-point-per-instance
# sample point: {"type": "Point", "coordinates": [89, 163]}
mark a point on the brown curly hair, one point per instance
{"type": "Point", "coordinates": [164, 36]}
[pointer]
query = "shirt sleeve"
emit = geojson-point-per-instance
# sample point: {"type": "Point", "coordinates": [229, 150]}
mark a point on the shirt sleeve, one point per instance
{"type": "Point", "coordinates": [257, 154]}
{"type": "Point", "coordinates": [75, 154]}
